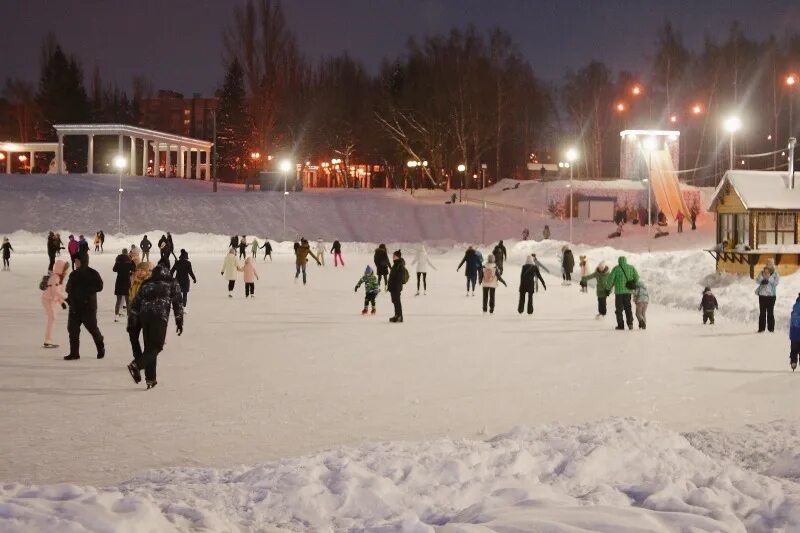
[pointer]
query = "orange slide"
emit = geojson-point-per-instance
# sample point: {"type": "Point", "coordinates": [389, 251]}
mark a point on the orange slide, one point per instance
{"type": "Point", "coordinates": [666, 188]}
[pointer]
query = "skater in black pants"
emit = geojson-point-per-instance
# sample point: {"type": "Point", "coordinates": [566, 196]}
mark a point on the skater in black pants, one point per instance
{"type": "Point", "coordinates": [182, 270]}
{"type": "Point", "coordinates": [267, 250]}
{"type": "Point", "coordinates": [382, 265]}
{"type": "Point", "coordinates": [124, 267]}
{"type": "Point", "coordinates": [623, 280]}
{"type": "Point", "coordinates": [82, 288]}
{"type": "Point", "coordinates": [767, 290]}
{"type": "Point", "coordinates": [145, 247]}
{"type": "Point", "coordinates": [7, 249]}
{"type": "Point", "coordinates": [397, 277]}
{"type": "Point", "coordinates": [243, 248]}
{"type": "Point", "coordinates": [149, 315]}
{"type": "Point", "coordinates": [491, 275]}
{"type": "Point", "coordinates": [53, 247]}
{"type": "Point", "coordinates": [527, 284]}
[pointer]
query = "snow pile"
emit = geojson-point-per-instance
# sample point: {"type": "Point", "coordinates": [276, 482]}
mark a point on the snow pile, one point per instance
{"type": "Point", "coordinates": [611, 475]}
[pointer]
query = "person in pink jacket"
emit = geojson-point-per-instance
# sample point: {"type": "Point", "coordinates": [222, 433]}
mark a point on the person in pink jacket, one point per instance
{"type": "Point", "coordinates": [52, 298]}
{"type": "Point", "coordinates": [250, 277]}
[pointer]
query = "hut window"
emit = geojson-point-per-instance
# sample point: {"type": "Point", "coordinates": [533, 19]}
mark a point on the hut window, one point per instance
{"type": "Point", "coordinates": [734, 229]}
{"type": "Point", "coordinates": [776, 228]}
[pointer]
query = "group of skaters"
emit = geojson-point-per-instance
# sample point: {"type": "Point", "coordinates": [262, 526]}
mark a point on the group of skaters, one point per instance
{"type": "Point", "coordinates": [242, 246]}
{"type": "Point", "coordinates": [638, 217]}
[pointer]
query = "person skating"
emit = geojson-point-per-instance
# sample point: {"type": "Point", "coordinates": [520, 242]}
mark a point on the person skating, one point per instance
{"type": "Point", "coordinates": [301, 259]}
{"type": "Point", "coordinates": [124, 268]}
{"type": "Point", "coordinates": [541, 268]}
{"type": "Point", "coordinates": [243, 247]}
{"type": "Point", "coordinates": [145, 246]}
{"type": "Point", "coordinates": [182, 272]}
{"type": "Point", "coordinates": [53, 298]}
{"type": "Point", "coordinates": [163, 248]}
{"type": "Point", "coordinates": [500, 256]}
{"type": "Point", "coordinates": [382, 264]}
{"type": "Point", "coordinates": [149, 315]}
{"type": "Point", "coordinates": [528, 278]}
{"type": "Point", "coordinates": [600, 274]}
{"type": "Point", "coordinates": [234, 242]}
{"type": "Point", "coordinates": [72, 250]}
{"type": "Point", "coordinates": [567, 265]}
{"type": "Point", "coordinates": [60, 243]}
{"type": "Point", "coordinates": [320, 249]}
{"type": "Point", "coordinates": [479, 259]}
{"type": "Point", "coordinates": [7, 249]}
{"type": "Point", "coordinates": [83, 245]}
{"type": "Point", "coordinates": [267, 250]}
{"type": "Point", "coordinates": [250, 277]}
{"type": "Point", "coordinates": [102, 240]}
{"type": "Point", "coordinates": [171, 245]}
{"type": "Point", "coordinates": [140, 275]}
{"type": "Point", "coordinates": [254, 248]}
{"type": "Point", "coordinates": [52, 249]}
{"type": "Point", "coordinates": [398, 276]}
{"type": "Point", "coordinates": [422, 262]}
{"type": "Point", "coordinates": [473, 265]}
{"type": "Point", "coordinates": [623, 280]}
{"type": "Point", "coordinates": [134, 254]}
{"type": "Point", "coordinates": [583, 263]}
{"type": "Point", "coordinates": [82, 287]}
{"type": "Point", "coordinates": [491, 275]}
{"type": "Point", "coordinates": [641, 298]}
{"type": "Point", "coordinates": [336, 250]}
{"type": "Point", "coordinates": [679, 218]}
{"type": "Point", "coordinates": [708, 304]}
{"type": "Point", "coordinates": [371, 289]}
{"type": "Point", "coordinates": [229, 269]}
{"type": "Point", "coordinates": [97, 242]}
{"type": "Point", "coordinates": [794, 334]}
{"type": "Point", "coordinates": [767, 291]}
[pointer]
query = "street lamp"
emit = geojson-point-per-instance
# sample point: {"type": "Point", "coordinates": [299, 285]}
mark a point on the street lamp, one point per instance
{"type": "Point", "coordinates": [119, 163]}
{"type": "Point", "coordinates": [649, 145]}
{"type": "Point", "coordinates": [697, 109]}
{"type": "Point", "coordinates": [791, 82]}
{"type": "Point", "coordinates": [572, 156]}
{"type": "Point", "coordinates": [732, 125]}
{"type": "Point", "coordinates": [462, 168]}
{"type": "Point", "coordinates": [636, 90]}
{"type": "Point", "coordinates": [284, 166]}
{"type": "Point", "coordinates": [620, 107]}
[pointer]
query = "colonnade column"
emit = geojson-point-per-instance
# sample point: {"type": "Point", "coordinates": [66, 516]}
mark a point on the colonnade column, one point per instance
{"type": "Point", "coordinates": [197, 165]}
{"type": "Point", "coordinates": [59, 156]}
{"type": "Point", "coordinates": [181, 167]}
{"type": "Point", "coordinates": [156, 160]}
{"type": "Point", "coordinates": [144, 157]}
{"type": "Point", "coordinates": [90, 158]}
{"type": "Point", "coordinates": [30, 162]}
{"type": "Point", "coordinates": [208, 164]}
{"type": "Point", "coordinates": [168, 165]}
{"type": "Point", "coordinates": [132, 162]}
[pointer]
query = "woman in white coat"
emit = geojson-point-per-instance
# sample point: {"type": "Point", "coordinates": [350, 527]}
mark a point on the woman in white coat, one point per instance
{"type": "Point", "coordinates": [52, 298]}
{"type": "Point", "coordinates": [422, 262]}
{"type": "Point", "coordinates": [229, 269]}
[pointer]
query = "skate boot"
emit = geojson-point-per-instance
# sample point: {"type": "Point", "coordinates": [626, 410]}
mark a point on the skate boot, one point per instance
{"type": "Point", "coordinates": [151, 384]}
{"type": "Point", "coordinates": [134, 371]}
{"type": "Point", "coordinates": [71, 357]}
{"type": "Point", "coordinates": [793, 365]}
{"type": "Point", "coordinates": [364, 311]}
{"type": "Point", "coordinates": [373, 311]}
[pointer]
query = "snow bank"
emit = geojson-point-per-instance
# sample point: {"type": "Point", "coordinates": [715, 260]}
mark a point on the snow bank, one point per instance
{"type": "Point", "coordinates": [611, 475]}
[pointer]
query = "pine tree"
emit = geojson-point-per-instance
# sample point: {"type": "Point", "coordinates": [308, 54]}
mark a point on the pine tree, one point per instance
{"type": "Point", "coordinates": [234, 125]}
{"type": "Point", "coordinates": [62, 96]}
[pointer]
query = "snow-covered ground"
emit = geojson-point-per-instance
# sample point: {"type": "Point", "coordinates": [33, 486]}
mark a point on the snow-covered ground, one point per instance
{"type": "Point", "coordinates": [346, 422]}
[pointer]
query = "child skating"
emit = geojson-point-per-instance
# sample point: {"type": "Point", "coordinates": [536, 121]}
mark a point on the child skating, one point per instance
{"type": "Point", "coordinates": [641, 298]}
{"type": "Point", "coordinates": [708, 305]}
{"type": "Point", "coordinates": [371, 289]}
{"type": "Point", "coordinates": [584, 266]}
{"type": "Point", "coordinates": [250, 277]}
{"type": "Point", "coordinates": [490, 278]}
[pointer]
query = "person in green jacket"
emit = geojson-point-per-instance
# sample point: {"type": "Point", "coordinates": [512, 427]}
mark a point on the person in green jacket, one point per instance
{"type": "Point", "coordinates": [600, 274]}
{"type": "Point", "coordinates": [623, 279]}
{"type": "Point", "coordinates": [371, 289]}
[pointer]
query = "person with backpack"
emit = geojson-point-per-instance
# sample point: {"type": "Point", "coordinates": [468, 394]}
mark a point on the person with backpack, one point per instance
{"type": "Point", "coordinates": [267, 250]}
{"type": "Point", "coordinates": [336, 250]}
{"type": "Point", "coordinates": [82, 287]}
{"type": "Point", "coordinates": [567, 265]}
{"type": "Point", "coordinates": [491, 275]}
{"type": "Point", "coordinates": [182, 272]}
{"type": "Point", "coordinates": [794, 334]}
{"type": "Point", "coordinates": [398, 276]}
{"type": "Point", "coordinates": [371, 289]}
{"type": "Point", "coordinates": [623, 280]}
{"type": "Point", "coordinates": [500, 256]}
{"type": "Point", "coordinates": [149, 316]}
{"type": "Point", "coordinates": [382, 264]}
{"type": "Point", "coordinates": [708, 304]}
{"type": "Point", "coordinates": [52, 298]}
{"type": "Point", "coordinates": [527, 284]}
{"type": "Point", "coordinates": [767, 291]}
{"type": "Point", "coordinates": [124, 268]}
{"type": "Point", "coordinates": [7, 249]}
{"type": "Point", "coordinates": [72, 250]}
{"type": "Point", "coordinates": [145, 247]}
{"type": "Point", "coordinates": [422, 262]}
{"type": "Point", "coordinates": [600, 274]}
{"type": "Point", "coordinates": [301, 258]}
{"type": "Point", "coordinates": [473, 264]}
{"type": "Point", "coordinates": [229, 269]}
{"type": "Point", "coordinates": [641, 298]}
{"type": "Point", "coordinates": [250, 277]}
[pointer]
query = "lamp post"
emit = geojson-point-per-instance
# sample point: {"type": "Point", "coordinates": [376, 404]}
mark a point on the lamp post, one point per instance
{"type": "Point", "coordinates": [462, 168]}
{"type": "Point", "coordinates": [791, 83]}
{"type": "Point", "coordinates": [285, 166]}
{"type": "Point", "coordinates": [119, 164]}
{"type": "Point", "coordinates": [649, 145]}
{"type": "Point", "coordinates": [732, 125]}
{"type": "Point", "coordinates": [572, 156]}
{"type": "Point", "coordinates": [215, 156]}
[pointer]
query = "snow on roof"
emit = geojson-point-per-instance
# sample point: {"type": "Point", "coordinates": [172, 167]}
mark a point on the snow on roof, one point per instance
{"type": "Point", "coordinates": [759, 189]}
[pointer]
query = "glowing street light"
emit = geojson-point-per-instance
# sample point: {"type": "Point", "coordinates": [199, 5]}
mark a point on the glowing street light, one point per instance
{"type": "Point", "coordinates": [462, 167]}
{"type": "Point", "coordinates": [732, 124]}
{"type": "Point", "coordinates": [673, 119]}
{"type": "Point", "coordinates": [572, 156]}
{"type": "Point", "coordinates": [412, 164]}
{"type": "Point", "coordinates": [636, 90]}
{"type": "Point", "coordinates": [620, 107]}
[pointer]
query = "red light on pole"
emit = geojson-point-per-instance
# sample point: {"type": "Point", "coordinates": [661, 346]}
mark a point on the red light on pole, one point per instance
{"type": "Point", "coordinates": [636, 90]}
{"type": "Point", "coordinates": [621, 107]}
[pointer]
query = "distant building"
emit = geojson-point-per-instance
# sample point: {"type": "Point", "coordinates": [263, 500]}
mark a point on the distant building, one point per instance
{"type": "Point", "coordinates": [170, 112]}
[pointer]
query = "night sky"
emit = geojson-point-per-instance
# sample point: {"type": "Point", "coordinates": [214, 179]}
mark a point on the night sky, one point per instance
{"type": "Point", "coordinates": [177, 44]}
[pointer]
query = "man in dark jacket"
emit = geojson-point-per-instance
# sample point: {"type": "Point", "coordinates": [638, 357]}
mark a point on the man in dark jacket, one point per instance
{"type": "Point", "coordinates": [474, 266]}
{"type": "Point", "coordinates": [382, 264]}
{"type": "Point", "coordinates": [500, 255]}
{"type": "Point", "coordinates": [567, 265]}
{"type": "Point", "coordinates": [527, 284]}
{"type": "Point", "coordinates": [83, 245]}
{"type": "Point", "coordinates": [145, 246]}
{"type": "Point", "coordinates": [395, 284]}
{"type": "Point", "coordinates": [149, 315]}
{"type": "Point", "coordinates": [182, 270]}
{"type": "Point", "coordinates": [53, 246]}
{"type": "Point", "coordinates": [171, 245]}
{"type": "Point", "coordinates": [234, 243]}
{"type": "Point", "coordinates": [163, 247]}
{"type": "Point", "coordinates": [124, 267]}
{"type": "Point", "coordinates": [82, 287]}
{"type": "Point", "coordinates": [267, 250]}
